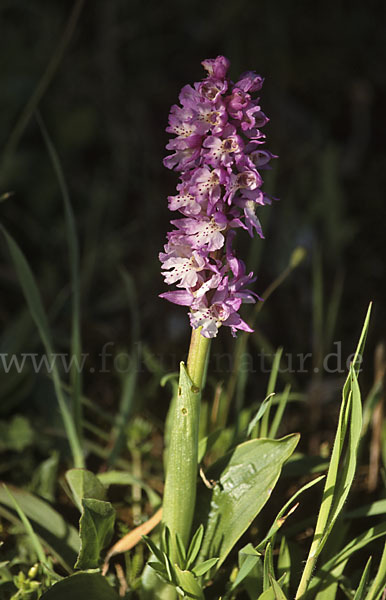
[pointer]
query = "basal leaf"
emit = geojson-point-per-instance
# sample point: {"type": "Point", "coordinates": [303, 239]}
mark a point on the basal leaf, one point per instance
{"type": "Point", "coordinates": [81, 587]}
{"type": "Point", "coordinates": [189, 584]}
{"type": "Point", "coordinates": [84, 484]}
{"type": "Point", "coordinates": [245, 479]}
{"type": "Point", "coordinates": [96, 527]}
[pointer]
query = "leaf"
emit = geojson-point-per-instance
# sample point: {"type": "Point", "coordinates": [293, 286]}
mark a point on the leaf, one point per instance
{"type": "Point", "coordinates": [124, 478]}
{"type": "Point", "coordinates": [16, 434]}
{"type": "Point", "coordinates": [60, 537]}
{"type": "Point", "coordinates": [248, 558]}
{"type": "Point", "coordinates": [181, 473]}
{"type": "Point", "coordinates": [194, 547]}
{"type": "Point", "coordinates": [96, 527]}
{"type": "Point", "coordinates": [84, 484]}
{"type": "Point", "coordinates": [28, 528]}
{"type": "Point", "coordinates": [262, 408]}
{"type": "Point", "coordinates": [81, 586]}
{"type": "Point", "coordinates": [204, 567]}
{"type": "Point", "coordinates": [343, 461]}
{"type": "Point", "coordinates": [189, 583]}
{"type": "Point", "coordinates": [271, 592]}
{"type": "Point", "coordinates": [35, 305]}
{"type": "Point", "coordinates": [360, 592]}
{"type": "Point", "coordinates": [379, 582]}
{"type": "Point", "coordinates": [284, 564]}
{"type": "Point", "coordinates": [279, 594]}
{"type": "Point", "coordinates": [268, 567]}
{"type": "Point", "coordinates": [73, 255]}
{"type": "Point", "coordinates": [246, 477]}
{"type": "Point", "coordinates": [343, 555]}
{"type": "Point", "coordinates": [207, 443]}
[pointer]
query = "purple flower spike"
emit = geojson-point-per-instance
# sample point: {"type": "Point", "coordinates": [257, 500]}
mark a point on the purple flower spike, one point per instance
{"type": "Point", "coordinates": [217, 150]}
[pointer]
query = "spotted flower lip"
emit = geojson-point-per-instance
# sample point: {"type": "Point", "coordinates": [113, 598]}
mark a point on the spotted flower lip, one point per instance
{"type": "Point", "coordinates": [217, 149]}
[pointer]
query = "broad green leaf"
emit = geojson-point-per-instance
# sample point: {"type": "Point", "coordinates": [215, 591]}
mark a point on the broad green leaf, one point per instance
{"type": "Point", "coordinates": [96, 527]}
{"type": "Point", "coordinates": [84, 484]}
{"type": "Point", "coordinates": [60, 537]}
{"type": "Point", "coordinates": [82, 586]}
{"type": "Point", "coordinates": [245, 479]}
{"type": "Point", "coordinates": [189, 584]}
{"type": "Point", "coordinates": [360, 592]}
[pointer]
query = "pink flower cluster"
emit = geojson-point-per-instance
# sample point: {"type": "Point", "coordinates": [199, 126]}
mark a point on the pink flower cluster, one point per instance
{"type": "Point", "coordinates": [217, 149]}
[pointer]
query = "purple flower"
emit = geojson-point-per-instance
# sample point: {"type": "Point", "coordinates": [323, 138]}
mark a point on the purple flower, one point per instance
{"type": "Point", "coordinates": [217, 150]}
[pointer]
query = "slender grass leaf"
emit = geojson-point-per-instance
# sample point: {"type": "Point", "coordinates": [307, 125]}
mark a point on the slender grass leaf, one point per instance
{"type": "Point", "coordinates": [268, 567]}
{"type": "Point", "coordinates": [361, 589]}
{"type": "Point", "coordinates": [343, 555]}
{"type": "Point", "coordinates": [281, 516]}
{"type": "Point", "coordinates": [28, 527]}
{"type": "Point", "coordinates": [32, 296]}
{"type": "Point", "coordinates": [378, 585]}
{"type": "Point", "coordinates": [60, 537]}
{"type": "Point", "coordinates": [284, 564]}
{"type": "Point", "coordinates": [73, 249]}
{"type": "Point", "coordinates": [279, 412]}
{"type": "Point", "coordinates": [260, 413]}
{"type": "Point", "coordinates": [270, 390]}
{"type": "Point", "coordinates": [342, 464]}
{"type": "Point", "coordinates": [248, 559]}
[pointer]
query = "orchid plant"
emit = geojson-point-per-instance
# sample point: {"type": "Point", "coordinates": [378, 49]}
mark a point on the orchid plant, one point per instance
{"type": "Point", "coordinates": [217, 479]}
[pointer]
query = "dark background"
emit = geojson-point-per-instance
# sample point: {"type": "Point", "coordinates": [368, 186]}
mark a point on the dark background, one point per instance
{"type": "Point", "coordinates": [106, 108]}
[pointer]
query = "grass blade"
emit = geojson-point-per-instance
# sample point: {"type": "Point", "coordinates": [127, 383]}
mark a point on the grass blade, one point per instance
{"type": "Point", "coordinates": [35, 305]}
{"type": "Point", "coordinates": [73, 248]}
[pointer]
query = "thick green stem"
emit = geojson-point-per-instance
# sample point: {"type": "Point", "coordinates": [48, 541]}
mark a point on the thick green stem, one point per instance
{"type": "Point", "coordinates": [181, 477]}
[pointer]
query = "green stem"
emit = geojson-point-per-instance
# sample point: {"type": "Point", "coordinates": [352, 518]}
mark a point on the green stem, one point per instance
{"type": "Point", "coordinates": [181, 477]}
{"type": "Point", "coordinates": [198, 356]}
